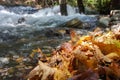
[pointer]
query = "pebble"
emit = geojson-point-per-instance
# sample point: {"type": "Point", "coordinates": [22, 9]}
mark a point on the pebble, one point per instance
{"type": "Point", "coordinates": [4, 60]}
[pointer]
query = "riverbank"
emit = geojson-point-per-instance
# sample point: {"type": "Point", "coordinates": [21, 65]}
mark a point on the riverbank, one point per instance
{"type": "Point", "coordinates": [21, 34]}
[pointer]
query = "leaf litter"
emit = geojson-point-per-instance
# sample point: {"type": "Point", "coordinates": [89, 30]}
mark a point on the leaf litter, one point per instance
{"type": "Point", "coordinates": [92, 57]}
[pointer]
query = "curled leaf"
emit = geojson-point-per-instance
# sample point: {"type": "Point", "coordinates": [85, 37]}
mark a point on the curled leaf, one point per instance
{"type": "Point", "coordinates": [41, 72]}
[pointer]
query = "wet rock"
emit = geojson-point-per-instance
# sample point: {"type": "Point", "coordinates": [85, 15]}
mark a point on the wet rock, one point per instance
{"type": "Point", "coordinates": [115, 17]}
{"type": "Point", "coordinates": [114, 22]}
{"type": "Point", "coordinates": [3, 61]}
{"type": "Point", "coordinates": [15, 56]}
{"type": "Point", "coordinates": [114, 12]}
{"type": "Point", "coordinates": [104, 21]}
{"type": "Point", "coordinates": [55, 33]}
{"type": "Point", "coordinates": [74, 23]}
{"type": "Point", "coordinates": [21, 20]}
{"type": "Point", "coordinates": [110, 20]}
{"type": "Point", "coordinates": [5, 36]}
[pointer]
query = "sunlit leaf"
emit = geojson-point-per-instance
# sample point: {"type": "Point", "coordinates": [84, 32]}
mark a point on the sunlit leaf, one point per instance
{"type": "Point", "coordinates": [108, 48]}
{"type": "Point", "coordinates": [74, 36]}
{"type": "Point", "coordinates": [91, 57]}
{"type": "Point", "coordinates": [113, 56]}
{"type": "Point", "coordinates": [19, 60]}
{"type": "Point", "coordinates": [42, 71]}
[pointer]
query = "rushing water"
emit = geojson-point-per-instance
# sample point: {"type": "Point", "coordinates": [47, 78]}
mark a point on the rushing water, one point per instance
{"type": "Point", "coordinates": [21, 23]}
{"type": "Point", "coordinates": [23, 29]}
{"type": "Point", "coordinates": [48, 17]}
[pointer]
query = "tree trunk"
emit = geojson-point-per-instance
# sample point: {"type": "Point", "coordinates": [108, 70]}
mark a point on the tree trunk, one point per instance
{"type": "Point", "coordinates": [80, 6]}
{"type": "Point", "coordinates": [63, 7]}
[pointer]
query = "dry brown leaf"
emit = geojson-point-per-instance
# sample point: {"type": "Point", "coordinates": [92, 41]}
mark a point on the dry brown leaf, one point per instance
{"type": "Point", "coordinates": [74, 36]}
{"type": "Point", "coordinates": [19, 60]}
{"type": "Point", "coordinates": [92, 63]}
{"type": "Point", "coordinates": [113, 56]}
{"type": "Point", "coordinates": [80, 55]}
{"type": "Point", "coordinates": [67, 47]}
{"type": "Point", "coordinates": [80, 58]}
{"type": "Point", "coordinates": [42, 72]}
{"type": "Point", "coordinates": [87, 75]}
{"type": "Point", "coordinates": [62, 72]}
{"type": "Point", "coordinates": [115, 69]}
{"type": "Point", "coordinates": [59, 75]}
{"type": "Point", "coordinates": [97, 32]}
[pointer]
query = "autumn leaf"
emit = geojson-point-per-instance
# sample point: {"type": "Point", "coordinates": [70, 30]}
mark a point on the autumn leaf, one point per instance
{"type": "Point", "coordinates": [107, 48]}
{"type": "Point", "coordinates": [42, 72]}
{"type": "Point", "coordinates": [115, 69]}
{"type": "Point", "coordinates": [74, 36]}
{"type": "Point", "coordinates": [90, 57]}
{"type": "Point", "coordinates": [67, 47]}
{"type": "Point", "coordinates": [87, 75]}
{"type": "Point", "coordinates": [113, 56]}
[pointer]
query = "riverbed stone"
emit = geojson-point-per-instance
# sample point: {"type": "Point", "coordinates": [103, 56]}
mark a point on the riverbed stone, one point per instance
{"type": "Point", "coordinates": [55, 33]}
{"type": "Point", "coordinates": [114, 12]}
{"type": "Point", "coordinates": [74, 23]}
{"type": "Point", "coordinates": [115, 17]}
{"type": "Point", "coordinates": [104, 21]}
{"type": "Point", "coordinates": [3, 61]}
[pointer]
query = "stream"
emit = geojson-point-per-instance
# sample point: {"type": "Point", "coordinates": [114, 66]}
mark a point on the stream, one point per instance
{"type": "Point", "coordinates": [23, 29]}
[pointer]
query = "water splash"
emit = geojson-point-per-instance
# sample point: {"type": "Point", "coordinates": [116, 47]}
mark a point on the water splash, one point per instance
{"type": "Point", "coordinates": [19, 17]}
{"type": "Point", "coordinates": [21, 30]}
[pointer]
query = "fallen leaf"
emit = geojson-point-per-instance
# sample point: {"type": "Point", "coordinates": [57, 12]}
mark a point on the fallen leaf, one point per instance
{"type": "Point", "coordinates": [87, 75]}
{"type": "Point", "coordinates": [42, 71]}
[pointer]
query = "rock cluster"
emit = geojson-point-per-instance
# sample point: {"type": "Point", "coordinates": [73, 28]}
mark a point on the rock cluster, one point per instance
{"type": "Point", "coordinates": [115, 22]}
{"type": "Point", "coordinates": [110, 20]}
{"type": "Point", "coordinates": [115, 17]}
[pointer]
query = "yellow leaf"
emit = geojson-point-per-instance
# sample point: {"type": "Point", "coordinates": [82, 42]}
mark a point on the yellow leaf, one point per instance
{"type": "Point", "coordinates": [107, 48]}
{"type": "Point", "coordinates": [113, 56]}
{"type": "Point", "coordinates": [84, 38]}
{"type": "Point", "coordinates": [19, 60]}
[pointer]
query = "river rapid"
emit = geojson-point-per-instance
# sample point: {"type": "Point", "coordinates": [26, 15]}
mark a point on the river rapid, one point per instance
{"type": "Point", "coordinates": [24, 29]}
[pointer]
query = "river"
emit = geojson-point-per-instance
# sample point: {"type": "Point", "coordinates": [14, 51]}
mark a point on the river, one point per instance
{"type": "Point", "coordinates": [23, 29]}
{"type": "Point", "coordinates": [18, 23]}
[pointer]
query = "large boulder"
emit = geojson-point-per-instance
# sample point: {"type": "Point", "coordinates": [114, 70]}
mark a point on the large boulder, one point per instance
{"type": "Point", "coordinates": [104, 21]}
{"type": "Point", "coordinates": [112, 19]}
{"type": "Point", "coordinates": [74, 23]}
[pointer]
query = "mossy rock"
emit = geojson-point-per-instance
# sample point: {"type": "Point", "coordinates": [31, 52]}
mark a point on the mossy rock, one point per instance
{"type": "Point", "coordinates": [74, 23]}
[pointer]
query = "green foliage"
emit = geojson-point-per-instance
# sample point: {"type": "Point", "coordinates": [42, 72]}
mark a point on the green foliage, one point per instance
{"type": "Point", "coordinates": [103, 6]}
{"type": "Point", "coordinates": [72, 2]}
{"type": "Point", "coordinates": [99, 5]}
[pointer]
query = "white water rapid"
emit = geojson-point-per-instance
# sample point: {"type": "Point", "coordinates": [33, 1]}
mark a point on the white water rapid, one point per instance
{"type": "Point", "coordinates": [18, 20]}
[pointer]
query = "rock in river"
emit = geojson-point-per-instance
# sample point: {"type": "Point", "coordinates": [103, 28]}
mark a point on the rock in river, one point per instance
{"type": "Point", "coordinates": [74, 23]}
